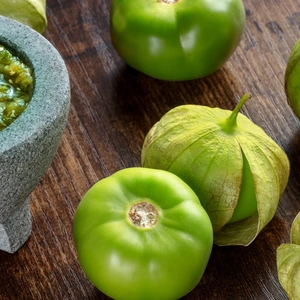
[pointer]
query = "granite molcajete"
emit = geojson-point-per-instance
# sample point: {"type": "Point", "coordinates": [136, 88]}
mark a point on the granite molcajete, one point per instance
{"type": "Point", "coordinates": [28, 145]}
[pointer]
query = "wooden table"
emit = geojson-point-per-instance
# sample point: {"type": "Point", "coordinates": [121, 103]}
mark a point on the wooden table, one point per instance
{"type": "Point", "coordinates": [113, 107]}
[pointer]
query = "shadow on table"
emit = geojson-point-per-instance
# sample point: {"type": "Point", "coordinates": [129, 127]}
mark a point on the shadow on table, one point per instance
{"type": "Point", "coordinates": [136, 93]}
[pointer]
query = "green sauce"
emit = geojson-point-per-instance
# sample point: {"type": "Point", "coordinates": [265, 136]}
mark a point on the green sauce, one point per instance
{"type": "Point", "coordinates": [16, 86]}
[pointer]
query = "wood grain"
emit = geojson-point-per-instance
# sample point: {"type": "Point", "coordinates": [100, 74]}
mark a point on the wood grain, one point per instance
{"type": "Point", "coordinates": [112, 109]}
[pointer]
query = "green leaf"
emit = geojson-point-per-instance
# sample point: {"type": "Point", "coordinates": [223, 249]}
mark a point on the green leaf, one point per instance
{"type": "Point", "coordinates": [29, 12]}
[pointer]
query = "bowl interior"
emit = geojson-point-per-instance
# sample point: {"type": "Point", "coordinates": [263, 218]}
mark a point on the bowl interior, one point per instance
{"type": "Point", "coordinates": [51, 82]}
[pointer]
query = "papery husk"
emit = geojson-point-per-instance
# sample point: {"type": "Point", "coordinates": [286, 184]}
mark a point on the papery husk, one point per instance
{"type": "Point", "coordinates": [295, 230]}
{"type": "Point", "coordinates": [288, 262]}
{"type": "Point", "coordinates": [29, 12]}
{"type": "Point", "coordinates": [188, 142]}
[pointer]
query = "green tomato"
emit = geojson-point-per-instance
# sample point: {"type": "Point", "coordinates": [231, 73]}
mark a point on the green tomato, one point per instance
{"type": "Point", "coordinates": [142, 234]}
{"type": "Point", "coordinates": [176, 39]}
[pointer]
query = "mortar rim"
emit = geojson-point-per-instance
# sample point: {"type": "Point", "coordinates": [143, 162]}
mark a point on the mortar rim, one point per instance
{"type": "Point", "coordinates": [49, 69]}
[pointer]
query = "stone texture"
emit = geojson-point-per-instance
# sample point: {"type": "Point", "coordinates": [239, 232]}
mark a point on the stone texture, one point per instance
{"type": "Point", "coordinates": [28, 145]}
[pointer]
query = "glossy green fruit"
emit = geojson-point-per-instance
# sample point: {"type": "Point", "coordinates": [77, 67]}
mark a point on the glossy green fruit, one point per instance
{"type": "Point", "coordinates": [176, 39]}
{"type": "Point", "coordinates": [142, 234]}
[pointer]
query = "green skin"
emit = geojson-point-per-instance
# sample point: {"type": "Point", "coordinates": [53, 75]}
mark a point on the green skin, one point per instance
{"type": "Point", "coordinates": [176, 41]}
{"type": "Point", "coordinates": [247, 203]}
{"type": "Point", "coordinates": [163, 261]}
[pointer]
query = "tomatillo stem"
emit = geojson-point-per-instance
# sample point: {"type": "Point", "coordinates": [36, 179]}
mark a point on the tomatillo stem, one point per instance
{"type": "Point", "coordinates": [143, 214]}
{"type": "Point", "coordinates": [231, 121]}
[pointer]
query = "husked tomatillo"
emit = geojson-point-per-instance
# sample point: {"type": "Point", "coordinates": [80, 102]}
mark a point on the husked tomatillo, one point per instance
{"type": "Point", "coordinates": [176, 39]}
{"type": "Point", "coordinates": [142, 234]}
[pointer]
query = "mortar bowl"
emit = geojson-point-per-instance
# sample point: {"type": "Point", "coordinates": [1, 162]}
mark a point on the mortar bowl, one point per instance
{"type": "Point", "coordinates": [29, 144]}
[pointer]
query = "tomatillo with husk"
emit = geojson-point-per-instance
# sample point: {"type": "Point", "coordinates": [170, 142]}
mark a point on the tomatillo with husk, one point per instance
{"type": "Point", "coordinates": [238, 172]}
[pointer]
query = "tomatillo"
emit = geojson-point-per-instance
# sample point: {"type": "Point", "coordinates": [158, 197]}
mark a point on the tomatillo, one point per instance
{"type": "Point", "coordinates": [176, 39]}
{"type": "Point", "coordinates": [237, 171]}
{"type": "Point", "coordinates": [142, 234]}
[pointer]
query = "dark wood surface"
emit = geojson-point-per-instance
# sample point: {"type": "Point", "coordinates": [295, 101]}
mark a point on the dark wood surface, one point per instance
{"type": "Point", "coordinates": [112, 109]}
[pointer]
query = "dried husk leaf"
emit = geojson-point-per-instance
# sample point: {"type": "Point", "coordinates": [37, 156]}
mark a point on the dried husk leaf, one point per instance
{"type": "Point", "coordinates": [288, 262]}
{"type": "Point", "coordinates": [270, 170]}
{"type": "Point", "coordinates": [188, 142]}
{"type": "Point", "coordinates": [29, 12]}
{"type": "Point", "coordinates": [292, 79]}
{"type": "Point", "coordinates": [295, 231]}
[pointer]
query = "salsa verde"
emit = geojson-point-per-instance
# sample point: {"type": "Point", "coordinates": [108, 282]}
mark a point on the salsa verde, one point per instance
{"type": "Point", "coordinates": [16, 86]}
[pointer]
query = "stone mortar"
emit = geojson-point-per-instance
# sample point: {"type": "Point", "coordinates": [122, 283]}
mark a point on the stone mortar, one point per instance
{"type": "Point", "coordinates": [28, 145]}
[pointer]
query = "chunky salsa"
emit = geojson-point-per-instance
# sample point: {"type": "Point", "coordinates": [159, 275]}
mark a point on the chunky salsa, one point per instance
{"type": "Point", "coordinates": [16, 86]}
